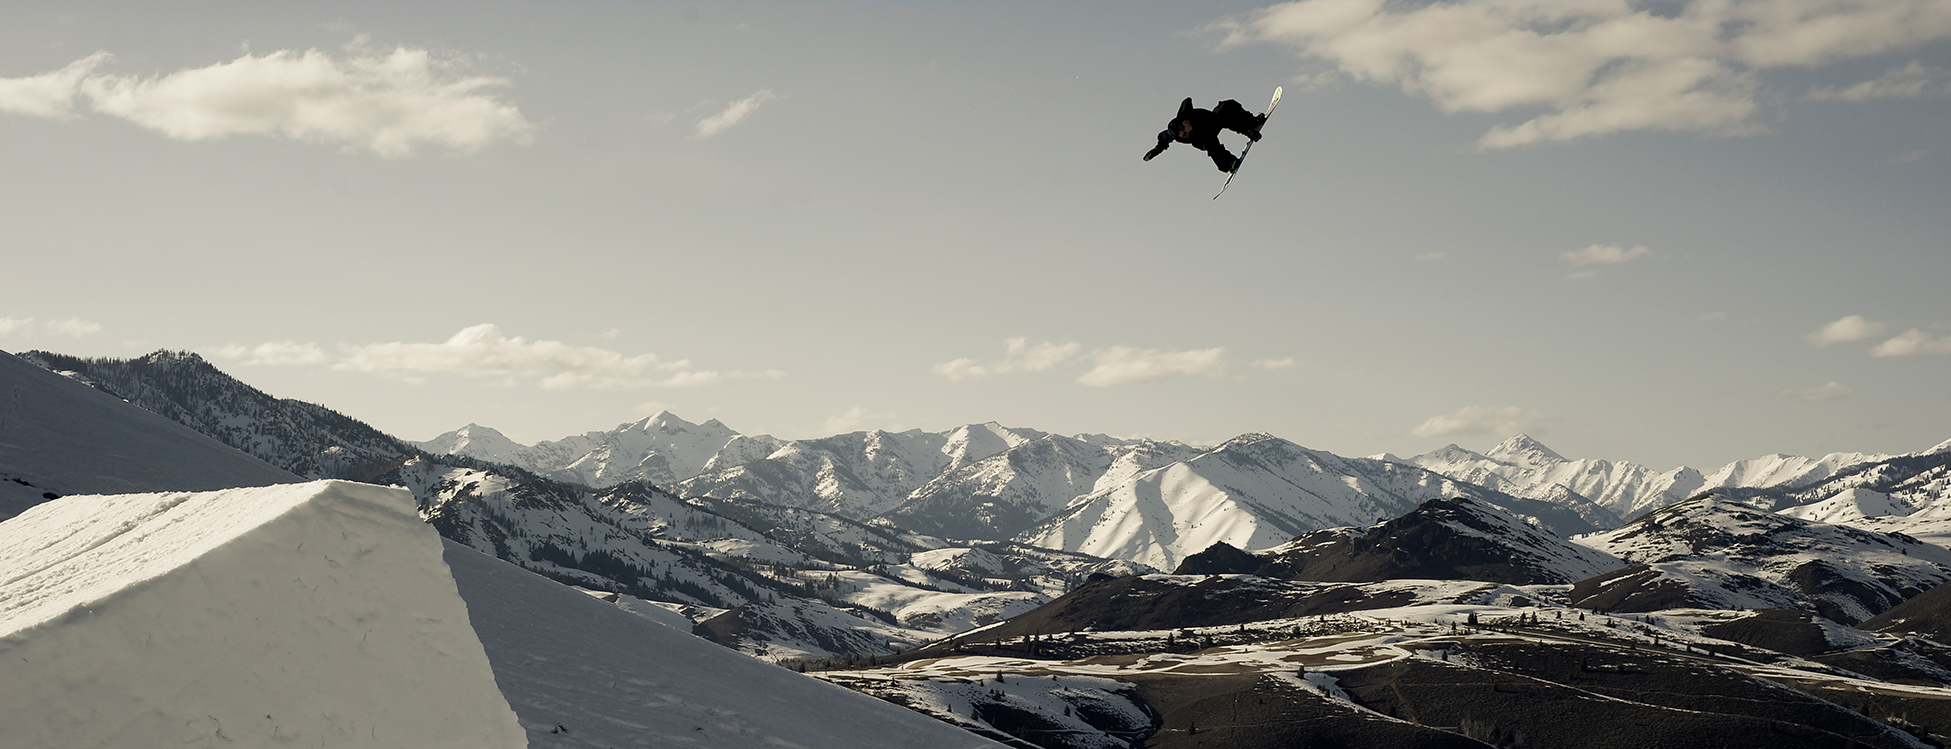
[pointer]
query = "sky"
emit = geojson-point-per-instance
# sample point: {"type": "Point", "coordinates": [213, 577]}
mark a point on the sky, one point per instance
{"type": "Point", "coordinates": [1677, 234]}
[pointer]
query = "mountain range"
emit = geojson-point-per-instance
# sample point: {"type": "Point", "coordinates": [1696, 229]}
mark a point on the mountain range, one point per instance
{"type": "Point", "coordinates": [1395, 603]}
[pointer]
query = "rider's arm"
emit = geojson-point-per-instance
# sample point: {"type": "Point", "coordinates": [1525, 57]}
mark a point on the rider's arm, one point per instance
{"type": "Point", "coordinates": [1164, 139]}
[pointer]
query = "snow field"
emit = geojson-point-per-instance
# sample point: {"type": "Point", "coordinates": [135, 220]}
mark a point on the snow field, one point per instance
{"type": "Point", "coordinates": [316, 614]}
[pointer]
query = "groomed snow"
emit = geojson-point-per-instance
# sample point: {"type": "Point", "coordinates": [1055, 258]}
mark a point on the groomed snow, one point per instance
{"type": "Point", "coordinates": [583, 673]}
{"type": "Point", "coordinates": [317, 614]}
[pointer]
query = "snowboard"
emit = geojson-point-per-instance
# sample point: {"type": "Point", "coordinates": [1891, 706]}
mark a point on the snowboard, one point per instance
{"type": "Point", "coordinates": [1249, 146]}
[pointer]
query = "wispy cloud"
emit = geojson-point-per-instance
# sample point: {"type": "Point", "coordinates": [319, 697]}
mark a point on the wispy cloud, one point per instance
{"type": "Point", "coordinates": [1605, 254]}
{"type": "Point", "coordinates": [1594, 69]}
{"type": "Point", "coordinates": [50, 94]}
{"type": "Point", "coordinates": [1476, 420]}
{"type": "Point", "coordinates": [1602, 254]}
{"type": "Point", "coordinates": [1850, 328]}
{"type": "Point", "coordinates": [846, 422]}
{"type": "Point", "coordinates": [1123, 365]}
{"type": "Point", "coordinates": [284, 353]}
{"type": "Point", "coordinates": [1108, 366]}
{"type": "Point", "coordinates": [1913, 342]}
{"type": "Point", "coordinates": [1019, 356]}
{"type": "Point", "coordinates": [734, 114]}
{"type": "Point", "coordinates": [485, 351]}
{"type": "Point", "coordinates": [1913, 81]}
{"type": "Point", "coordinates": [388, 103]}
{"type": "Point", "coordinates": [29, 327]}
{"type": "Point", "coordinates": [1825, 392]}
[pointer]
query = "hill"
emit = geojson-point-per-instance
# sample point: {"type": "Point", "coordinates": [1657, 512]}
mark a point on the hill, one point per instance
{"type": "Point", "coordinates": [59, 437]}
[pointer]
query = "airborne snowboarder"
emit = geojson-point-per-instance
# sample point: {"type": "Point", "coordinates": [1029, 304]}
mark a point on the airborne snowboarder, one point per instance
{"type": "Point", "coordinates": [1200, 128]}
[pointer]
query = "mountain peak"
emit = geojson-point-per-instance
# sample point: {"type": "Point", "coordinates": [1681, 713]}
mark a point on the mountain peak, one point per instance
{"type": "Point", "coordinates": [474, 441]}
{"type": "Point", "coordinates": [1447, 454]}
{"type": "Point", "coordinates": [1523, 449]}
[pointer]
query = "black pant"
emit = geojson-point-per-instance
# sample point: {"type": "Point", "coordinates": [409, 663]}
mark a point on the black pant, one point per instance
{"type": "Point", "coordinates": [1227, 115]}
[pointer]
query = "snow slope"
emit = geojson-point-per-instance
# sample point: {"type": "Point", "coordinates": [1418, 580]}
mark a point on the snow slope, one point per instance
{"type": "Point", "coordinates": [1850, 504]}
{"type": "Point", "coordinates": [62, 437]}
{"type": "Point", "coordinates": [316, 614]}
{"type": "Point", "coordinates": [582, 673]}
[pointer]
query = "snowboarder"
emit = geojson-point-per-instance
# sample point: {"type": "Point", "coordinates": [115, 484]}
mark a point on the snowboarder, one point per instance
{"type": "Point", "coordinates": [1201, 127]}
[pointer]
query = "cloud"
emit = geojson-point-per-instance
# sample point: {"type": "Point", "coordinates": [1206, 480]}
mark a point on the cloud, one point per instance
{"type": "Point", "coordinates": [1851, 328]}
{"type": "Point", "coordinates": [1019, 356]}
{"type": "Point", "coordinates": [277, 354]}
{"type": "Point", "coordinates": [1111, 365]}
{"type": "Point", "coordinates": [1913, 81]}
{"type": "Point", "coordinates": [1431, 256]}
{"type": "Point", "coordinates": [1591, 69]}
{"type": "Point", "coordinates": [846, 422]}
{"type": "Point", "coordinates": [1474, 420]}
{"type": "Point", "coordinates": [1274, 364]}
{"type": "Point", "coordinates": [485, 351]}
{"type": "Point", "coordinates": [386, 103]}
{"type": "Point", "coordinates": [1913, 342]}
{"type": "Point", "coordinates": [1123, 365]}
{"type": "Point", "coordinates": [733, 114]}
{"type": "Point", "coordinates": [72, 327]}
{"type": "Point", "coordinates": [51, 94]}
{"type": "Point", "coordinates": [1826, 392]}
{"type": "Point", "coordinates": [1605, 254]}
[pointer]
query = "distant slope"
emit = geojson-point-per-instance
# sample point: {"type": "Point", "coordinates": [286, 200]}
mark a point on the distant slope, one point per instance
{"type": "Point", "coordinates": [1257, 491]}
{"type": "Point", "coordinates": [1525, 467]}
{"type": "Point", "coordinates": [303, 438]}
{"type": "Point", "coordinates": [1444, 539]}
{"type": "Point", "coordinates": [473, 441]}
{"type": "Point", "coordinates": [58, 436]}
{"type": "Point", "coordinates": [1908, 494]}
{"type": "Point", "coordinates": [1714, 552]}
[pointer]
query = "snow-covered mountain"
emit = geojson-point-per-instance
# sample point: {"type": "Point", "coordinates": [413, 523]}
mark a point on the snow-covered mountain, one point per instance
{"type": "Point", "coordinates": [1527, 468]}
{"type": "Point", "coordinates": [1716, 552]}
{"type": "Point", "coordinates": [1257, 491]}
{"type": "Point", "coordinates": [781, 583]}
{"type": "Point", "coordinates": [662, 449]}
{"type": "Point", "coordinates": [1004, 494]}
{"type": "Point", "coordinates": [474, 441]}
{"type": "Point", "coordinates": [59, 436]}
{"type": "Point", "coordinates": [1444, 539]}
{"type": "Point", "coordinates": [856, 475]}
{"type": "Point", "coordinates": [1908, 494]}
{"type": "Point", "coordinates": [303, 438]}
